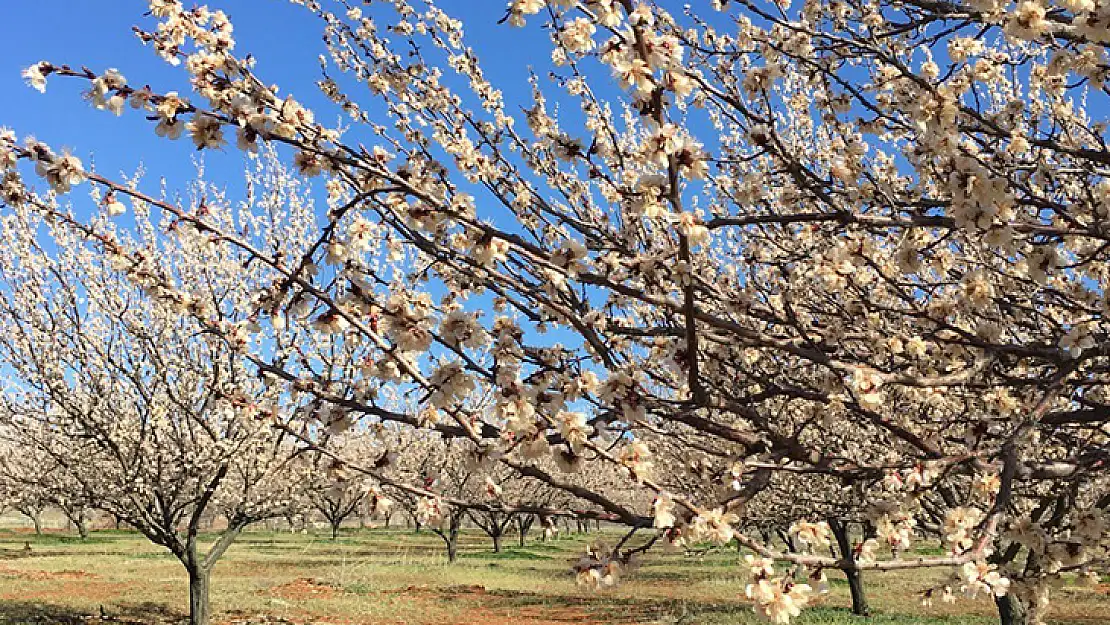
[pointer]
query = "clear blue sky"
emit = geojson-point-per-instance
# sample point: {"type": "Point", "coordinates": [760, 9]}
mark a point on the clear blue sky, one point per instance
{"type": "Point", "coordinates": [285, 38]}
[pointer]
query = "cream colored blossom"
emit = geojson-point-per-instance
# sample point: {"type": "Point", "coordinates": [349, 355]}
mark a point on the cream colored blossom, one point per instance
{"type": "Point", "coordinates": [577, 35]}
{"type": "Point", "coordinates": [35, 76]}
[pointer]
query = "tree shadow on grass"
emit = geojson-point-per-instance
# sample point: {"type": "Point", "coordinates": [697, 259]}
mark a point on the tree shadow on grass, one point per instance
{"type": "Point", "coordinates": [525, 606]}
{"type": "Point", "coordinates": [24, 613]}
{"type": "Point", "coordinates": [617, 610]}
{"type": "Point", "coordinates": [34, 613]}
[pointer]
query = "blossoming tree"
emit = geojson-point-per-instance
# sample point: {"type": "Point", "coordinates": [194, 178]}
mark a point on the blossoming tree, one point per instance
{"type": "Point", "coordinates": [759, 230]}
{"type": "Point", "coordinates": [129, 408]}
{"type": "Point", "coordinates": [32, 475]}
{"type": "Point", "coordinates": [336, 492]}
{"type": "Point", "coordinates": [21, 488]}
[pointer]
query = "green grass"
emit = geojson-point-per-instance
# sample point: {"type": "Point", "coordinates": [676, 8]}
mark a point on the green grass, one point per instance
{"type": "Point", "coordinates": [64, 539]}
{"type": "Point", "coordinates": [508, 554]}
{"type": "Point", "coordinates": [398, 576]}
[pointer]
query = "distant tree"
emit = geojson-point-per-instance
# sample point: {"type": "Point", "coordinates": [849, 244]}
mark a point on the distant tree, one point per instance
{"type": "Point", "coordinates": [498, 483]}
{"type": "Point", "coordinates": [77, 503]}
{"type": "Point", "coordinates": [442, 470]}
{"type": "Point", "coordinates": [337, 492]}
{"type": "Point", "coordinates": [20, 486]}
{"type": "Point", "coordinates": [39, 475]}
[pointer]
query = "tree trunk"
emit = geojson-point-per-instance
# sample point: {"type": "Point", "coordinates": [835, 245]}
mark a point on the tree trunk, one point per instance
{"type": "Point", "coordinates": [1011, 611]}
{"type": "Point", "coordinates": [789, 542]}
{"type": "Point", "coordinates": [452, 538]}
{"type": "Point", "coordinates": [388, 517]}
{"type": "Point", "coordinates": [522, 529]}
{"type": "Point", "coordinates": [496, 542]}
{"type": "Point", "coordinates": [766, 535]}
{"type": "Point", "coordinates": [335, 529]}
{"type": "Point", "coordinates": [198, 596]}
{"type": "Point", "coordinates": [38, 524]}
{"type": "Point", "coordinates": [452, 545]}
{"type": "Point", "coordinates": [859, 599]}
{"type": "Point", "coordinates": [855, 578]}
{"type": "Point", "coordinates": [82, 527]}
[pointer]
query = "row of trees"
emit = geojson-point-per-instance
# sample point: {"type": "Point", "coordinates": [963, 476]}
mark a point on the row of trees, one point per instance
{"type": "Point", "coordinates": [119, 406]}
{"type": "Point", "coordinates": [30, 485]}
{"type": "Point", "coordinates": [33, 485]}
{"type": "Point", "coordinates": [756, 260]}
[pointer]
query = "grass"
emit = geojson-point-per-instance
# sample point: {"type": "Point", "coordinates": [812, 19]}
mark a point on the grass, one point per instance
{"type": "Point", "coordinates": [507, 554]}
{"type": "Point", "coordinates": [396, 576]}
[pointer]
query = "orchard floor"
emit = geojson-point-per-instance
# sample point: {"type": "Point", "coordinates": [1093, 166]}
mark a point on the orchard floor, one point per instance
{"type": "Point", "coordinates": [378, 576]}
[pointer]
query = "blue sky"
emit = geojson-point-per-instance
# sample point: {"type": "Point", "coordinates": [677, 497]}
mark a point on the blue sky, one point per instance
{"type": "Point", "coordinates": [285, 39]}
{"type": "Point", "coordinates": [97, 35]}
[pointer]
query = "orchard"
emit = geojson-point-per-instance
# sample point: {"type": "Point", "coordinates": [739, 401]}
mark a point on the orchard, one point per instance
{"type": "Point", "coordinates": [811, 281]}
